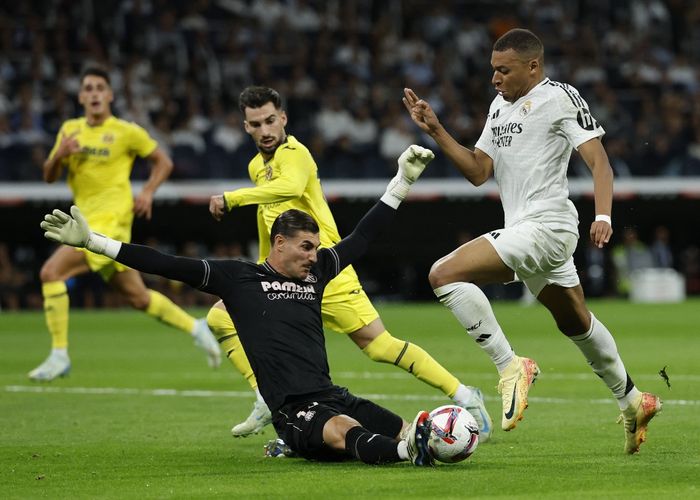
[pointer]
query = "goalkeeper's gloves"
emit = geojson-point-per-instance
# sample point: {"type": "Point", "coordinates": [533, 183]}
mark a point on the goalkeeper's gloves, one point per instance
{"type": "Point", "coordinates": [412, 162]}
{"type": "Point", "coordinates": [60, 227]}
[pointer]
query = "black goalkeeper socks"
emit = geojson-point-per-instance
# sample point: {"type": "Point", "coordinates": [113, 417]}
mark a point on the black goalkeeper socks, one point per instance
{"type": "Point", "coordinates": [371, 448]}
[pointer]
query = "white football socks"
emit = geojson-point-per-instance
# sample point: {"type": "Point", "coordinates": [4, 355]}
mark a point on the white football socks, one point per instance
{"type": "Point", "coordinates": [463, 395]}
{"type": "Point", "coordinates": [599, 348]}
{"type": "Point", "coordinates": [473, 311]}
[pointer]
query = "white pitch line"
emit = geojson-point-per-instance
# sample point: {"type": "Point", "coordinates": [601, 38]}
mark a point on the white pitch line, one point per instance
{"type": "Point", "coordinates": [486, 376]}
{"type": "Point", "coordinates": [128, 391]}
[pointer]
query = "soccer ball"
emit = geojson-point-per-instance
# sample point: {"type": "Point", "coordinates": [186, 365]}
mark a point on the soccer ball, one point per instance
{"type": "Point", "coordinates": [454, 434]}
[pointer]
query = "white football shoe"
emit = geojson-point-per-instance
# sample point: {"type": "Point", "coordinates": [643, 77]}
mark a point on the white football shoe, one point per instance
{"type": "Point", "coordinates": [256, 421]}
{"type": "Point", "coordinates": [417, 437]}
{"type": "Point", "coordinates": [636, 419]}
{"type": "Point", "coordinates": [56, 365]}
{"type": "Point", "coordinates": [477, 408]}
{"type": "Point", "coordinates": [205, 340]}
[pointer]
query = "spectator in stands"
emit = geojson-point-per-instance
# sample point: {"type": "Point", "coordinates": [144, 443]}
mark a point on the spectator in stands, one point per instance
{"type": "Point", "coordinates": [661, 253]}
{"type": "Point", "coordinates": [641, 49]}
{"type": "Point", "coordinates": [628, 256]}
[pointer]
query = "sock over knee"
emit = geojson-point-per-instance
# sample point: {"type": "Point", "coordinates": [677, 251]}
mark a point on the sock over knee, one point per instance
{"type": "Point", "coordinates": [371, 448]}
{"type": "Point", "coordinates": [413, 359]}
{"type": "Point", "coordinates": [473, 311]}
{"type": "Point", "coordinates": [165, 310]}
{"type": "Point", "coordinates": [56, 305]}
{"type": "Point", "coordinates": [221, 325]}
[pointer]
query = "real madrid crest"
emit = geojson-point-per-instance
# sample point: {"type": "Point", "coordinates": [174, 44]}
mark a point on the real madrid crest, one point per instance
{"type": "Point", "coordinates": [525, 109]}
{"type": "Point", "coordinates": [268, 172]}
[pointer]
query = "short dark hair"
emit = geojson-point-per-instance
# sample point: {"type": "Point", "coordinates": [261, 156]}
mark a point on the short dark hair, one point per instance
{"type": "Point", "coordinates": [95, 70]}
{"type": "Point", "coordinates": [292, 221]}
{"type": "Point", "coordinates": [256, 97]}
{"type": "Point", "coordinates": [522, 41]}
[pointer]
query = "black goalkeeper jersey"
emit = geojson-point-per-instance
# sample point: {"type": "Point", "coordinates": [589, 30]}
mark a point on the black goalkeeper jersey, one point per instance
{"type": "Point", "coordinates": [279, 322]}
{"type": "Point", "coordinates": [277, 318]}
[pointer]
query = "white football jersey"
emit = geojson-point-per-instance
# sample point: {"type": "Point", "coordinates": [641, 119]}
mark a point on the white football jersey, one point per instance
{"type": "Point", "coordinates": [530, 142]}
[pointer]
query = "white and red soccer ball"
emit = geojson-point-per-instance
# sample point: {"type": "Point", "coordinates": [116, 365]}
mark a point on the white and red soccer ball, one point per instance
{"type": "Point", "coordinates": [454, 434]}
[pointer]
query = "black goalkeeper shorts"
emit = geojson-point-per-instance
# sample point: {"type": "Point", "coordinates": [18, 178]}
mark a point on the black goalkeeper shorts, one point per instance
{"type": "Point", "coordinates": [300, 423]}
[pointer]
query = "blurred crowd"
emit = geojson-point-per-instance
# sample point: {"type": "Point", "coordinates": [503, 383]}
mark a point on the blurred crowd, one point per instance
{"type": "Point", "coordinates": [178, 66]}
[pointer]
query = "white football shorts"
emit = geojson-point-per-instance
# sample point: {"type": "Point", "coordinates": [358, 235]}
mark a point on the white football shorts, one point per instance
{"type": "Point", "coordinates": [539, 256]}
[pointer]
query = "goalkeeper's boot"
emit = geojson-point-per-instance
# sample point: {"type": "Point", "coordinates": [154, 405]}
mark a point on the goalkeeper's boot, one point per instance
{"type": "Point", "coordinates": [277, 448]}
{"type": "Point", "coordinates": [56, 365]}
{"type": "Point", "coordinates": [514, 385]}
{"type": "Point", "coordinates": [475, 406]}
{"type": "Point", "coordinates": [256, 421]}
{"type": "Point", "coordinates": [636, 418]}
{"type": "Point", "coordinates": [417, 437]}
{"type": "Point", "coordinates": [205, 340]}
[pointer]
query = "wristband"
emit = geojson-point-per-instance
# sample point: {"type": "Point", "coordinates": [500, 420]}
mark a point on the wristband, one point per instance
{"type": "Point", "coordinates": [101, 244]}
{"type": "Point", "coordinates": [604, 218]}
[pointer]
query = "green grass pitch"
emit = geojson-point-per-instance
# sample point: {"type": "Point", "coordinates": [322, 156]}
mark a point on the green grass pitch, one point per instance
{"type": "Point", "coordinates": [141, 415]}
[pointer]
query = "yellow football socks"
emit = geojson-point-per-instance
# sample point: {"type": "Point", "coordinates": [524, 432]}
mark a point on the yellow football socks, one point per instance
{"type": "Point", "coordinates": [165, 310]}
{"type": "Point", "coordinates": [413, 359]}
{"type": "Point", "coordinates": [221, 325]}
{"type": "Point", "coordinates": [56, 304]}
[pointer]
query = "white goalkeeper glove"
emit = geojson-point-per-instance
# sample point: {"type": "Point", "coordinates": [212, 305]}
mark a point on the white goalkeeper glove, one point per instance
{"type": "Point", "coordinates": [412, 162]}
{"type": "Point", "coordinates": [60, 227]}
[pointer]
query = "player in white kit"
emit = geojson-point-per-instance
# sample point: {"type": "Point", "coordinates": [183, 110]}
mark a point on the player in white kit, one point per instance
{"type": "Point", "coordinates": [532, 127]}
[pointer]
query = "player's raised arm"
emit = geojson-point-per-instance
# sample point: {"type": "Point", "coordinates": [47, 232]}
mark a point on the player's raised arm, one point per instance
{"type": "Point", "coordinates": [73, 230]}
{"type": "Point", "coordinates": [476, 166]}
{"type": "Point", "coordinates": [412, 162]}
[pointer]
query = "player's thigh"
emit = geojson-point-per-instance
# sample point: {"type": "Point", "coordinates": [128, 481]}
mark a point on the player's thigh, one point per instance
{"type": "Point", "coordinates": [348, 310]}
{"type": "Point", "coordinates": [476, 262]}
{"type": "Point", "coordinates": [130, 284]}
{"type": "Point", "coordinates": [64, 263]}
{"type": "Point", "coordinates": [568, 308]}
{"type": "Point", "coordinates": [373, 417]}
{"type": "Point", "coordinates": [532, 249]}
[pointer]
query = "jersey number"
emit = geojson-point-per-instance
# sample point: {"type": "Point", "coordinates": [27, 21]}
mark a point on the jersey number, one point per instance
{"type": "Point", "coordinates": [585, 120]}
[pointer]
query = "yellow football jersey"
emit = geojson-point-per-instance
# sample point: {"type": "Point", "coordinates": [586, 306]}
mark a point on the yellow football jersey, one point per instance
{"type": "Point", "coordinates": [99, 174]}
{"type": "Point", "coordinates": [289, 180]}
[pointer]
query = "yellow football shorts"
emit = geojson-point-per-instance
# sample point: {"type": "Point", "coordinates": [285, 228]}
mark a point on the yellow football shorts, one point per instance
{"type": "Point", "coordinates": [346, 307]}
{"type": "Point", "coordinates": [113, 225]}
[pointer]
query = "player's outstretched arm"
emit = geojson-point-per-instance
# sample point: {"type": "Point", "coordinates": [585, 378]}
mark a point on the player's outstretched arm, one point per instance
{"type": "Point", "coordinates": [412, 162]}
{"type": "Point", "coordinates": [73, 230]}
{"type": "Point", "coordinates": [475, 166]}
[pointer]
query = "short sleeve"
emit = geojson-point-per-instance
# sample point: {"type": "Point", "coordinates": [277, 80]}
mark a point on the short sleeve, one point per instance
{"type": "Point", "coordinates": [141, 143]}
{"type": "Point", "coordinates": [485, 142]}
{"type": "Point", "coordinates": [574, 120]}
{"type": "Point", "coordinates": [59, 136]}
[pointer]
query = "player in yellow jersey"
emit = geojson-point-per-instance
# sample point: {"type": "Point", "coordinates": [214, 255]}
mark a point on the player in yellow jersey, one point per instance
{"type": "Point", "coordinates": [286, 177]}
{"type": "Point", "coordinates": [99, 151]}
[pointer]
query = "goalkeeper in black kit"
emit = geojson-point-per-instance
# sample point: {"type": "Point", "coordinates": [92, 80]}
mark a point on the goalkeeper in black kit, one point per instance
{"type": "Point", "coordinates": [276, 308]}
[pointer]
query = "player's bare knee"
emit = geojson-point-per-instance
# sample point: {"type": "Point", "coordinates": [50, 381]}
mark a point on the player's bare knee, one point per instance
{"type": "Point", "coordinates": [48, 273]}
{"type": "Point", "coordinates": [336, 428]}
{"type": "Point", "coordinates": [138, 301]}
{"type": "Point", "coordinates": [572, 327]}
{"type": "Point", "coordinates": [438, 275]}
